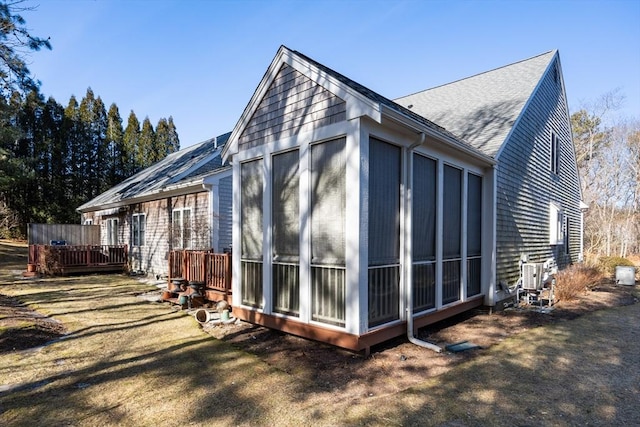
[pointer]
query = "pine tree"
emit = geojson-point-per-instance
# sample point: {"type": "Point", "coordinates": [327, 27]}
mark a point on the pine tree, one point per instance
{"type": "Point", "coordinates": [162, 137]}
{"type": "Point", "coordinates": [73, 135]}
{"type": "Point", "coordinates": [99, 137]}
{"type": "Point", "coordinates": [115, 146]}
{"type": "Point", "coordinates": [173, 141]}
{"type": "Point", "coordinates": [131, 137]}
{"type": "Point", "coordinates": [30, 148]}
{"type": "Point", "coordinates": [146, 143]}
{"type": "Point", "coordinates": [87, 154]}
{"type": "Point", "coordinates": [14, 41]}
{"type": "Point", "coordinates": [56, 148]}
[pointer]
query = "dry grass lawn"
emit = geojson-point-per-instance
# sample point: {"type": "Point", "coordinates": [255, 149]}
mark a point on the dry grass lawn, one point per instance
{"type": "Point", "coordinates": [125, 361]}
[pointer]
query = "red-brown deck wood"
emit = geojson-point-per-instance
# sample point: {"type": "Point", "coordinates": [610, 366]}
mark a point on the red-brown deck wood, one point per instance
{"type": "Point", "coordinates": [203, 266]}
{"type": "Point", "coordinates": [350, 341]}
{"type": "Point", "coordinates": [66, 259]}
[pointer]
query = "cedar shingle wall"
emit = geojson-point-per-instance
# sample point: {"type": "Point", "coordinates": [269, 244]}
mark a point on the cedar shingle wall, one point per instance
{"type": "Point", "coordinates": [200, 222]}
{"type": "Point", "coordinates": [293, 104]}
{"type": "Point", "coordinates": [152, 257]}
{"type": "Point", "coordinates": [526, 185]}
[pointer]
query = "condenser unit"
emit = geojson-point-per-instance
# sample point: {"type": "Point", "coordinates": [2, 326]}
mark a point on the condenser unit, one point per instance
{"type": "Point", "coordinates": [532, 274]}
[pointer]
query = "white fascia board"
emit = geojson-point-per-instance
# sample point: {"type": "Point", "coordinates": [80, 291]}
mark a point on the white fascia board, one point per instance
{"type": "Point", "coordinates": [446, 139]}
{"type": "Point", "coordinates": [526, 105]}
{"type": "Point", "coordinates": [215, 176]}
{"type": "Point", "coordinates": [231, 147]}
{"type": "Point", "coordinates": [357, 104]}
{"type": "Point", "coordinates": [187, 188]}
{"type": "Point", "coordinates": [556, 56]}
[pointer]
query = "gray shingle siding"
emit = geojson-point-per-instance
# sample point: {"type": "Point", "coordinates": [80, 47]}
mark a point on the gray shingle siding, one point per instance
{"type": "Point", "coordinates": [226, 217]}
{"type": "Point", "coordinates": [526, 186]}
{"type": "Point", "coordinates": [292, 104]}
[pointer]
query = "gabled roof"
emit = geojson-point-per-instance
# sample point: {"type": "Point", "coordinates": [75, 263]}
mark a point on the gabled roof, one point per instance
{"type": "Point", "coordinates": [189, 165]}
{"type": "Point", "coordinates": [361, 101]}
{"type": "Point", "coordinates": [482, 109]}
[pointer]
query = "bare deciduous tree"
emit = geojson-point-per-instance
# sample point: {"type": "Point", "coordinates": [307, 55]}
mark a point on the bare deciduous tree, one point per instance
{"type": "Point", "coordinates": [608, 156]}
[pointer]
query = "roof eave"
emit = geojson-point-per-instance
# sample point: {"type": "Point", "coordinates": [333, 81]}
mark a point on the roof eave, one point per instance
{"type": "Point", "coordinates": [446, 139]}
{"type": "Point", "coordinates": [358, 105]}
{"type": "Point", "coordinates": [162, 193]}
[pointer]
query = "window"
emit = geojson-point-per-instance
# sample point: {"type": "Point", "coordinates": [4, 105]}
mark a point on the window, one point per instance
{"type": "Point", "coordinates": [286, 233]}
{"type": "Point", "coordinates": [451, 234]}
{"type": "Point", "coordinates": [556, 225]}
{"type": "Point", "coordinates": [384, 232]}
{"type": "Point", "coordinates": [181, 227]}
{"type": "Point", "coordinates": [423, 228]}
{"type": "Point", "coordinates": [474, 234]}
{"type": "Point", "coordinates": [328, 214]}
{"type": "Point", "coordinates": [138, 225]}
{"type": "Point", "coordinates": [112, 231]}
{"type": "Point", "coordinates": [555, 153]}
{"type": "Point", "coordinates": [88, 221]}
{"type": "Point", "coordinates": [251, 192]}
{"type": "Point", "coordinates": [566, 235]}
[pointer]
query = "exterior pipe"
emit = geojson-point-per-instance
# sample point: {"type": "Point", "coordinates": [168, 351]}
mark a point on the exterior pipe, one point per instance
{"type": "Point", "coordinates": [409, 279]}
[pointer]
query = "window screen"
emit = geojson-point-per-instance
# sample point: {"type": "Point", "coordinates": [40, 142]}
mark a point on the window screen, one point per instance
{"type": "Point", "coordinates": [452, 212]}
{"type": "Point", "coordinates": [424, 208]}
{"type": "Point", "coordinates": [384, 203]}
{"type": "Point", "coordinates": [474, 215]}
{"type": "Point", "coordinates": [286, 206]}
{"type": "Point", "coordinates": [251, 209]}
{"type": "Point", "coordinates": [328, 201]}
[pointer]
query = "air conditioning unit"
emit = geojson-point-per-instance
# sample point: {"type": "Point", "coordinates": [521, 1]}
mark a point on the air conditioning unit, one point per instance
{"type": "Point", "coordinates": [532, 275]}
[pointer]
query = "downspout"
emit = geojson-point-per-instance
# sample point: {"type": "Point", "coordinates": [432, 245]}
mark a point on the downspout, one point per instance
{"type": "Point", "coordinates": [409, 279]}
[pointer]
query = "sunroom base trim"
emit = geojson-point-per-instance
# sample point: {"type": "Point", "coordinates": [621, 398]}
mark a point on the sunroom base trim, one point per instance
{"type": "Point", "coordinates": [346, 340]}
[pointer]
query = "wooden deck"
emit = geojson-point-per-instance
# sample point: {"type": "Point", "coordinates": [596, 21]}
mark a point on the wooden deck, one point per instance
{"type": "Point", "coordinates": [212, 269]}
{"type": "Point", "coordinates": [67, 259]}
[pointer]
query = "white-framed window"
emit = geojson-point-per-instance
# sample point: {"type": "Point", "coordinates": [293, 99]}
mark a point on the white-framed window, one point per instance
{"type": "Point", "coordinates": [566, 235]}
{"type": "Point", "coordinates": [112, 231]}
{"type": "Point", "coordinates": [181, 225]}
{"type": "Point", "coordinates": [555, 153]}
{"type": "Point", "coordinates": [88, 221]}
{"type": "Point", "coordinates": [556, 225]}
{"type": "Point", "coordinates": [138, 224]}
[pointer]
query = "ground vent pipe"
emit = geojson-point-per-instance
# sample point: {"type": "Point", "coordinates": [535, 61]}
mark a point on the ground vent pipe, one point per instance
{"type": "Point", "coordinates": [409, 279]}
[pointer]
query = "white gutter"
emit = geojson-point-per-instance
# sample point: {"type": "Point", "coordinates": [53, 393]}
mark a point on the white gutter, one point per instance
{"type": "Point", "coordinates": [443, 137]}
{"type": "Point", "coordinates": [409, 279]}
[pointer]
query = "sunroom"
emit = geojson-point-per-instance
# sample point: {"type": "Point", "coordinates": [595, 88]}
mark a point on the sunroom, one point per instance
{"type": "Point", "coordinates": [351, 213]}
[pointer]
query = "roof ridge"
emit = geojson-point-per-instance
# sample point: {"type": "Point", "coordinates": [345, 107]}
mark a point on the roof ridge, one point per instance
{"type": "Point", "coordinates": [479, 74]}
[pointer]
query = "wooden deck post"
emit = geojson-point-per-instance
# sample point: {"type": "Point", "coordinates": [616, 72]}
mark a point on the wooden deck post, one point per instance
{"type": "Point", "coordinates": [227, 272]}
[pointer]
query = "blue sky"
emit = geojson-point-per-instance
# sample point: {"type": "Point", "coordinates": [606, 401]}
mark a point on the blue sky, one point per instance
{"type": "Point", "coordinates": [200, 61]}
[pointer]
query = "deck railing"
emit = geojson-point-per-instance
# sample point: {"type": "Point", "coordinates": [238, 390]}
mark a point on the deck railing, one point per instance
{"type": "Point", "coordinates": [53, 259]}
{"type": "Point", "coordinates": [204, 266]}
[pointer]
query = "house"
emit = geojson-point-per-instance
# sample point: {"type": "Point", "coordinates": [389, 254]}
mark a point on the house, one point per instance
{"type": "Point", "coordinates": [181, 202]}
{"type": "Point", "coordinates": [357, 218]}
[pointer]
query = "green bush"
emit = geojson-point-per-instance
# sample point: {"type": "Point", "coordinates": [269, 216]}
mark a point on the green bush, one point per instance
{"type": "Point", "coordinates": [608, 264]}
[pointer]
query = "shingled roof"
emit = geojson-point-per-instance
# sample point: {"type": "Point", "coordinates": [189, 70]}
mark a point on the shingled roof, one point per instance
{"type": "Point", "coordinates": [393, 105]}
{"type": "Point", "coordinates": [482, 109]}
{"type": "Point", "coordinates": [187, 165]}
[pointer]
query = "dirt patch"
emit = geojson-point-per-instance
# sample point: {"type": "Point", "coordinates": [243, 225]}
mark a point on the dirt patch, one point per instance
{"type": "Point", "coordinates": [398, 364]}
{"type": "Point", "coordinates": [22, 328]}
